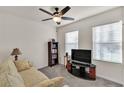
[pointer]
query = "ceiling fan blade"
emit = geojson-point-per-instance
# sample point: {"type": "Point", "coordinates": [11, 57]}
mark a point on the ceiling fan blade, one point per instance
{"type": "Point", "coordinates": [67, 18]}
{"type": "Point", "coordinates": [47, 19]}
{"type": "Point", "coordinates": [46, 11]}
{"type": "Point", "coordinates": [63, 11]}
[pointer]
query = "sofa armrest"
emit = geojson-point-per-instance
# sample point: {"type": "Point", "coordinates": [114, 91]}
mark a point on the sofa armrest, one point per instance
{"type": "Point", "coordinates": [45, 83]}
{"type": "Point", "coordinates": [58, 81]}
{"type": "Point", "coordinates": [55, 82]}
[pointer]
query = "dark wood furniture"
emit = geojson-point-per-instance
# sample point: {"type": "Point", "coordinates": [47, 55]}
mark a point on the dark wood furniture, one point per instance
{"type": "Point", "coordinates": [82, 70]}
{"type": "Point", "coordinates": [52, 53]}
{"type": "Point", "coordinates": [69, 67]}
{"type": "Point", "coordinates": [92, 72]}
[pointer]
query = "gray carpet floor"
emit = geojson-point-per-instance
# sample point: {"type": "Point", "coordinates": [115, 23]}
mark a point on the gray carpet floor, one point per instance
{"type": "Point", "coordinates": [73, 81]}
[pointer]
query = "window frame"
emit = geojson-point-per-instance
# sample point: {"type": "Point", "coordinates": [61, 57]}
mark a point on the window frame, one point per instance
{"type": "Point", "coordinates": [70, 43]}
{"type": "Point", "coordinates": [95, 59]}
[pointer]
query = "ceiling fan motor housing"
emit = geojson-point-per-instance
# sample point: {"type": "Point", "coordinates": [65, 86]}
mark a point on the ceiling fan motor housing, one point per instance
{"type": "Point", "coordinates": [57, 9]}
{"type": "Point", "coordinates": [57, 13]}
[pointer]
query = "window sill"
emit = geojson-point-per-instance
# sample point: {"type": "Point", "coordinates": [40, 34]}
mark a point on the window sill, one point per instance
{"type": "Point", "coordinates": [106, 61]}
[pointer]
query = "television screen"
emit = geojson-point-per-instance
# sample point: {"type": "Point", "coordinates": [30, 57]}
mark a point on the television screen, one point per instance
{"type": "Point", "coordinates": [81, 55]}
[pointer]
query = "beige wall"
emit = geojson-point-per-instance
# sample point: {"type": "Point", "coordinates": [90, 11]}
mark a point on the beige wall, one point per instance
{"type": "Point", "coordinates": [30, 36]}
{"type": "Point", "coordinates": [106, 70]}
{"type": "Point", "coordinates": [123, 45]}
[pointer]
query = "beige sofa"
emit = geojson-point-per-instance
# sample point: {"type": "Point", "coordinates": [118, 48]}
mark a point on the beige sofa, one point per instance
{"type": "Point", "coordinates": [12, 76]}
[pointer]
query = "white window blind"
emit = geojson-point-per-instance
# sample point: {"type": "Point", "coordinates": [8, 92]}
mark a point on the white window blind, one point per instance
{"type": "Point", "coordinates": [71, 41]}
{"type": "Point", "coordinates": [107, 42]}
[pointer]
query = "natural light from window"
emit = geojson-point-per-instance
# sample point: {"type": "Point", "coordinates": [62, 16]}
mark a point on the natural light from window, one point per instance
{"type": "Point", "coordinates": [71, 41]}
{"type": "Point", "coordinates": [107, 42]}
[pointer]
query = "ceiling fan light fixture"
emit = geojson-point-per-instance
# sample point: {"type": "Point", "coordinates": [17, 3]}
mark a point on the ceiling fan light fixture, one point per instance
{"type": "Point", "coordinates": [57, 19]}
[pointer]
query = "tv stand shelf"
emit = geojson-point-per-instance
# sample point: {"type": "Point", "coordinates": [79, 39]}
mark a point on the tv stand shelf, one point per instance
{"type": "Point", "coordinates": [86, 71]}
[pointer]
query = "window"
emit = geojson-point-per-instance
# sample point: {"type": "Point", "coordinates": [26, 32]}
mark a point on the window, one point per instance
{"type": "Point", "coordinates": [71, 41]}
{"type": "Point", "coordinates": [107, 42]}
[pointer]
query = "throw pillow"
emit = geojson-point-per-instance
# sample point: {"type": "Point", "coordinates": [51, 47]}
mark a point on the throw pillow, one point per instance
{"type": "Point", "coordinates": [22, 65]}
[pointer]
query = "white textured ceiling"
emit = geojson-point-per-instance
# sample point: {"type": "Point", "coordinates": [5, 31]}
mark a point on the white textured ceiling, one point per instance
{"type": "Point", "coordinates": [32, 12]}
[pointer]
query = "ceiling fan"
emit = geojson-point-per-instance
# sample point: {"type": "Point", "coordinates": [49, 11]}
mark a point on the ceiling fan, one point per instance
{"type": "Point", "coordinates": [58, 16]}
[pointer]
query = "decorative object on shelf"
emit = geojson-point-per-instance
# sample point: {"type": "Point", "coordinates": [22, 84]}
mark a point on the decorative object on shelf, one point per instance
{"type": "Point", "coordinates": [66, 54]}
{"type": "Point", "coordinates": [15, 53]}
{"type": "Point", "coordinates": [53, 40]}
{"type": "Point", "coordinates": [52, 53]}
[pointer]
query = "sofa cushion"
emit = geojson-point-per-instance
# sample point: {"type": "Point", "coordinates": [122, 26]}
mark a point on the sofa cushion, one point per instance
{"type": "Point", "coordinates": [58, 81]}
{"type": "Point", "coordinates": [55, 82]}
{"type": "Point", "coordinates": [32, 76]}
{"type": "Point", "coordinates": [22, 65]}
{"type": "Point", "coordinates": [45, 83]}
{"type": "Point", "coordinates": [9, 75]}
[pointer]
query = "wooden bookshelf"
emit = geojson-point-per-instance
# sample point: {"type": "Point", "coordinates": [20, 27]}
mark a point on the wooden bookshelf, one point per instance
{"type": "Point", "coordinates": [52, 53]}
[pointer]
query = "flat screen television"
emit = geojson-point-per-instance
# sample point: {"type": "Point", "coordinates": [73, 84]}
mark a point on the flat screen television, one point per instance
{"type": "Point", "coordinates": [81, 56]}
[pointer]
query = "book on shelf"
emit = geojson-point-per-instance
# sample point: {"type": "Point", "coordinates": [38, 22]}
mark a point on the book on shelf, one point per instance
{"type": "Point", "coordinates": [54, 56]}
{"type": "Point", "coordinates": [54, 51]}
{"type": "Point", "coordinates": [53, 61]}
{"type": "Point", "coordinates": [54, 46]}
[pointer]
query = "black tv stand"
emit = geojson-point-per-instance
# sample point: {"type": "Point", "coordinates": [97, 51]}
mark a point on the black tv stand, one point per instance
{"type": "Point", "coordinates": [86, 71]}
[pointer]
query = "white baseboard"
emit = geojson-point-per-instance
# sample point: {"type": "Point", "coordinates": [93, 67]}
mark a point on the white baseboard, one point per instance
{"type": "Point", "coordinates": [110, 79]}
